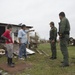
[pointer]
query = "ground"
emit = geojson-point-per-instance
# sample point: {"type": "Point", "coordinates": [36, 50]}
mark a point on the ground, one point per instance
{"type": "Point", "coordinates": [42, 65]}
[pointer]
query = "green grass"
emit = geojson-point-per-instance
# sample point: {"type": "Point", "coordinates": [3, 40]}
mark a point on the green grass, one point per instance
{"type": "Point", "coordinates": [42, 65]}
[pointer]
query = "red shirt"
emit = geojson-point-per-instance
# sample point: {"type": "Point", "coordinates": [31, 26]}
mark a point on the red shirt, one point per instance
{"type": "Point", "coordinates": [8, 35]}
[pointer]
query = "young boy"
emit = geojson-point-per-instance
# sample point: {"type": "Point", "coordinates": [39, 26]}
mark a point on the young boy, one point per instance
{"type": "Point", "coordinates": [9, 45]}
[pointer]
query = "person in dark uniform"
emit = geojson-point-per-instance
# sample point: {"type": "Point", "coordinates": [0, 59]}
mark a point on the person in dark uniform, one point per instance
{"type": "Point", "coordinates": [53, 38]}
{"type": "Point", "coordinates": [64, 31]}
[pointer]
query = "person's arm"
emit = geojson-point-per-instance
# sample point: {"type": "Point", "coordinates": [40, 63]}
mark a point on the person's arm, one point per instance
{"type": "Point", "coordinates": [19, 36]}
{"type": "Point", "coordinates": [4, 35]}
{"type": "Point", "coordinates": [54, 34]}
{"type": "Point", "coordinates": [62, 26]}
{"type": "Point", "coordinates": [19, 40]}
{"type": "Point", "coordinates": [29, 31]}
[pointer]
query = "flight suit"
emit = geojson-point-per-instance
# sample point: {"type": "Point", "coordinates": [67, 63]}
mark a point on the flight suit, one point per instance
{"type": "Point", "coordinates": [64, 30]}
{"type": "Point", "coordinates": [53, 36]}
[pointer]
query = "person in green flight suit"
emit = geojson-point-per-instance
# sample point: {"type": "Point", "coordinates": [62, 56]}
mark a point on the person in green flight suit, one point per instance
{"type": "Point", "coordinates": [64, 31]}
{"type": "Point", "coordinates": [53, 38]}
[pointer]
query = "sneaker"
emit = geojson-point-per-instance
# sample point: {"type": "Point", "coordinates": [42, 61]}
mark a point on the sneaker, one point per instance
{"type": "Point", "coordinates": [21, 58]}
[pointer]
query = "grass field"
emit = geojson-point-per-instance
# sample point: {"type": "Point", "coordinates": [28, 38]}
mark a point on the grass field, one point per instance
{"type": "Point", "coordinates": [42, 65]}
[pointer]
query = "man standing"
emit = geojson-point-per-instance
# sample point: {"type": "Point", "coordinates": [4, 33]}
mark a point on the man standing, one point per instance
{"type": "Point", "coordinates": [9, 45]}
{"type": "Point", "coordinates": [64, 31]}
{"type": "Point", "coordinates": [53, 37]}
{"type": "Point", "coordinates": [23, 40]}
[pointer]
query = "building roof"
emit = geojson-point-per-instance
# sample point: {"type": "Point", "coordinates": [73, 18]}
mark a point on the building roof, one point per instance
{"type": "Point", "coordinates": [5, 24]}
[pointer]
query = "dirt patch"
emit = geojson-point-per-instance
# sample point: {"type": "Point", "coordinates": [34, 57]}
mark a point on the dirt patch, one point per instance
{"type": "Point", "coordinates": [18, 67]}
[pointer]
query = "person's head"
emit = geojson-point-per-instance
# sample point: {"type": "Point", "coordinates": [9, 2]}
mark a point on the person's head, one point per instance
{"type": "Point", "coordinates": [9, 27]}
{"type": "Point", "coordinates": [61, 15]}
{"type": "Point", "coordinates": [23, 26]}
{"type": "Point", "coordinates": [51, 24]}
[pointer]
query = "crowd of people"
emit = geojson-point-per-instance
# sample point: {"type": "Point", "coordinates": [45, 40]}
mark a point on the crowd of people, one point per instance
{"type": "Point", "coordinates": [64, 31]}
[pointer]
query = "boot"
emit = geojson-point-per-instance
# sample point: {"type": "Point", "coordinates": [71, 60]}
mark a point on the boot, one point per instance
{"type": "Point", "coordinates": [10, 62]}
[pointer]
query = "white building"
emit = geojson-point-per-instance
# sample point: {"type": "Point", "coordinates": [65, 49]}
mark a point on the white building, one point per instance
{"type": "Point", "coordinates": [15, 28]}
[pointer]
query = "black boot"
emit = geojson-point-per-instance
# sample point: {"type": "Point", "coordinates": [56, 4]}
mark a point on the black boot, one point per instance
{"type": "Point", "coordinates": [10, 62]}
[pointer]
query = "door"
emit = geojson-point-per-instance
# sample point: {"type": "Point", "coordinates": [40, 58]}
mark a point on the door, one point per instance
{"type": "Point", "coordinates": [2, 30]}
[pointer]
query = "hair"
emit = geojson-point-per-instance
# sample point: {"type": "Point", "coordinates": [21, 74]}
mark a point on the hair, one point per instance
{"type": "Point", "coordinates": [23, 26]}
{"type": "Point", "coordinates": [52, 23]}
{"type": "Point", "coordinates": [62, 14]}
{"type": "Point", "coordinates": [9, 26]}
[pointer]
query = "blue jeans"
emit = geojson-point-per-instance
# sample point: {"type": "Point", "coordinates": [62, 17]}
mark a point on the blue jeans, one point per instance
{"type": "Point", "coordinates": [22, 50]}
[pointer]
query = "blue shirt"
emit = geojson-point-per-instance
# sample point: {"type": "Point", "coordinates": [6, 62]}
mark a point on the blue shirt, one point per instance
{"type": "Point", "coordinates": [22, 34]}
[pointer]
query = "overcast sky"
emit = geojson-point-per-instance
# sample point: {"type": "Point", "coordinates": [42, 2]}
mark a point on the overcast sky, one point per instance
{"type": "Point", "coordinates": [37, 13]}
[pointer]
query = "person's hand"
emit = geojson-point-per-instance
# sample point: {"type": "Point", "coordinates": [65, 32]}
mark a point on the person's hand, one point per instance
{"type": "Point", "coordinates": [59, 40]}
{"type": "Point", "coordinates": [19, 43]}
{"type": "Point", "coordinates": [9, 40]}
